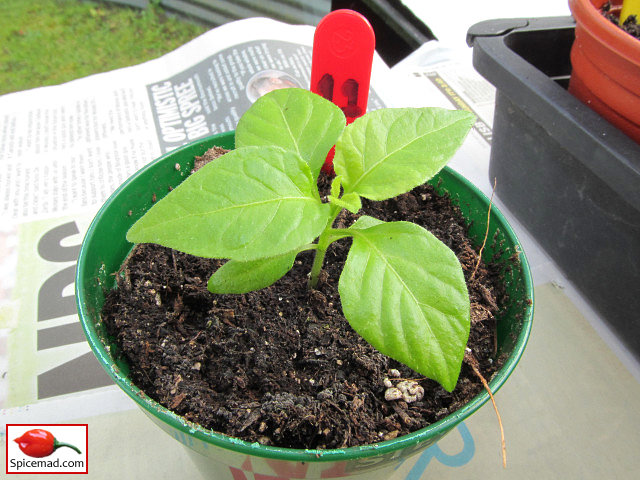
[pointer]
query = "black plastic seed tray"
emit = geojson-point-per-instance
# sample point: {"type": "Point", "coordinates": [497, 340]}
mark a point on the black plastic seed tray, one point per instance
{"type": "Point", "coordinates": [568, 175]}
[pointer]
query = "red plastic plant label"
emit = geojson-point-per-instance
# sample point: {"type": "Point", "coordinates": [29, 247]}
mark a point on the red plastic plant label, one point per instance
{"type": "Point", "coordinates": [343, 47]}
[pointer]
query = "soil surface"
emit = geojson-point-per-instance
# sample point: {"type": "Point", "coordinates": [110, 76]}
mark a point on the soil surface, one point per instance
{"type": "Point", "coordinates": [631, 25]}
{"type": "Point", "coordinates": [281, 366]}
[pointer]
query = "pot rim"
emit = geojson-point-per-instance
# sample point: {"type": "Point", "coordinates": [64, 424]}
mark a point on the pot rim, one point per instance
{"type": "Point", "coordinates": [587, 12]}
{"type": "Point", "coordinates": [151, 407]}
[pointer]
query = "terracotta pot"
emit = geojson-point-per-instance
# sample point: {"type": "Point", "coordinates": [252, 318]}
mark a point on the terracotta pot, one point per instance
{"type": "Point", "coordinates": [606, 66]}
{"type": "Point", "coordinates": [225, 458]}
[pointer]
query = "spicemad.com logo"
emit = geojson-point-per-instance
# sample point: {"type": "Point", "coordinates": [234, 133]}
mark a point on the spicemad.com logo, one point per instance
{"type": "Point", "coordinates": [58, 448]}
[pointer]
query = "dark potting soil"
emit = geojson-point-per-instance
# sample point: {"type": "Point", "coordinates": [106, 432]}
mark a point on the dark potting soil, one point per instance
{"type": "Point", "coordinates": [631, 25]}
{"type": "Point", "coordinates": [281, 366]}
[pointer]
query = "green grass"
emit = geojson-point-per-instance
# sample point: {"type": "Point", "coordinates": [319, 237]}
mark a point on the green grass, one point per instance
{"type": "Point", "coordinates": [48, 42]}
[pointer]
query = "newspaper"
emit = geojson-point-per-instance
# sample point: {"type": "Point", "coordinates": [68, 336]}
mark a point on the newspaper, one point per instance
{"type": "Point", "coordinates": [64, 149]}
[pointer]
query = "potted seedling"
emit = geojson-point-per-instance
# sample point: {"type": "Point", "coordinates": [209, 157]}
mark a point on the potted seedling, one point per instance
{"type": "Point", "coordinates": [258, 207]}
{"type": "Point", "coordinates": [606, 62]}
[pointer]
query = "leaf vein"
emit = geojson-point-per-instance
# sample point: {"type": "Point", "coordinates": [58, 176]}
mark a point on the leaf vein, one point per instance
{"type": "Point", "coordinates": [404, 285]}
{"type": "Point", "coordinates": [380, 161]}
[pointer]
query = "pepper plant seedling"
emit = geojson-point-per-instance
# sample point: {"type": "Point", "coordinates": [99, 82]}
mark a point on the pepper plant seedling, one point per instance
{"type": "Point", "coordinates": [258, 206]}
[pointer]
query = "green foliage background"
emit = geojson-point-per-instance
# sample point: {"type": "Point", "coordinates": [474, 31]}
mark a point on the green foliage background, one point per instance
{"type": "Point", "coordinates": [48, 42]}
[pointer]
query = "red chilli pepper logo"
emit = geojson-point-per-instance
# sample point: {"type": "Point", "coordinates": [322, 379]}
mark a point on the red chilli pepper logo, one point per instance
{"type": "Point", "coordinates": [39, 443]}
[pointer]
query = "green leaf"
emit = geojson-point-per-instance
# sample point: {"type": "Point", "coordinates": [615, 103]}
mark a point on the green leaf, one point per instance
{"type": "Point", "coordinates": [296, 120]}
{"type": "Point", "coordinates": [253, 202]}
{"type": "Point", "coordinates": [243, 277]}
{"type": "Point", "coordinates": [365, 221]}
{"type": "Point", "coordinates": [350, 201]}
{"type": "Point", "coordinates": [388, 152]}
{"type": "Point", "coordinates": [336, 186]}
{"type": "Point", "coordinates": [404, 292]}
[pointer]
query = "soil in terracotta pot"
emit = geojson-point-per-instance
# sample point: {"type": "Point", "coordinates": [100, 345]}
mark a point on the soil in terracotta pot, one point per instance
{"type": "Point", "coordinates": [631, 25]}
{"type": "Point", "coordinates": [281, 366]}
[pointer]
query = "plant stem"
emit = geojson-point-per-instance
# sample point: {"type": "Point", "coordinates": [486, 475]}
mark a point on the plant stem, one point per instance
{"type": "Point", "coordinates": [318, 260]}
{"type": "Point", "coordinates": [324, 241]}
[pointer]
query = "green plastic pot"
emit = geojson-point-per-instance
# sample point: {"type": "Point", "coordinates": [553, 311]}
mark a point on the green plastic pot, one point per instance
{"type": "Point", "coordinates": [104, 249]}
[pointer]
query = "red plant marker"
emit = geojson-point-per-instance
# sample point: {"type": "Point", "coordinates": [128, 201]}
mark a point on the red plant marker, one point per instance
{"type": "Point", "coordinates": [40, 443]}
{"type": "Point", "coordinates": [343, 47]}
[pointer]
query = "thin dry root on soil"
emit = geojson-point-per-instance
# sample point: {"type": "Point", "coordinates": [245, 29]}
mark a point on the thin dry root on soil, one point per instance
{"type": "Point", "coordinates": [470, 360]}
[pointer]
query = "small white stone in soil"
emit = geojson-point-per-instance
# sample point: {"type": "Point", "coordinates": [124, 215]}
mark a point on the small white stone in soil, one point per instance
{"type": "Point", "coordinates": [392, 393]}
